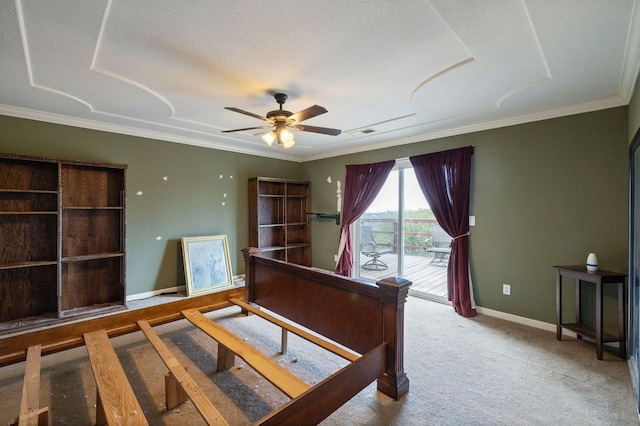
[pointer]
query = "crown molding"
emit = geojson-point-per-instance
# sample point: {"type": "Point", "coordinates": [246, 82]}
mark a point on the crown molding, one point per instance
{"type": "Point", "coordinates": [590, 106]}
{"type": "Point", "coordinates": [132, 131]}
{"type": "Point", "coordinates": [600, 104]}
{"type": "Point", "coordinates": [631, 64]}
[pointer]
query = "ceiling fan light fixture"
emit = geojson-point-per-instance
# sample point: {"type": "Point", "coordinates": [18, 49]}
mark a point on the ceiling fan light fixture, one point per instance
{"type": "Point", "coordinates": [283, 121]}
{"type": "Point", "coordinates": [289, 143]}
{"type": "Point", "coordinates": [285, 136]}
{"type": "Point", "coordinates": [269, 137]}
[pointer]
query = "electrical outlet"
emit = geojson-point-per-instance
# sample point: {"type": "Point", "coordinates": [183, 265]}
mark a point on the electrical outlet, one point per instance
{"type": "Point", "coordinates": [506, 289]}
{"type": "Point", "coordinates": [335, 257]}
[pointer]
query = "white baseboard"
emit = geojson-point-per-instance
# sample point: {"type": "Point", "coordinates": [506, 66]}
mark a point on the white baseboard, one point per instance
{"type": "Point", "coordinates": [178, 289]}
{"type": "Point", "coordinates": [522, 320]}
{"type": "Point", "coordinates": [237, 279]}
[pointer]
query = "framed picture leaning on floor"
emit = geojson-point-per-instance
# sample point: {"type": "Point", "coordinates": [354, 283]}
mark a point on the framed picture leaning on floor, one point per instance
{"type": "Point", "coordinates": [207, 267]}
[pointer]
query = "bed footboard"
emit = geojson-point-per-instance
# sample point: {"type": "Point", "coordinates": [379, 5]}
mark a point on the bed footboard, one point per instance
{"type": "Point", "coordinates": [356, 314]}
{"type": "Point", "coordinates": [327, 396]}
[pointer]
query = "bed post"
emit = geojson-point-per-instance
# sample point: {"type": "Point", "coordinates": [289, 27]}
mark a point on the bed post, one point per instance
{"type": "Point", "coordinates": [394, 295]}
{"type": "Point", "coordinates": [248, 253]}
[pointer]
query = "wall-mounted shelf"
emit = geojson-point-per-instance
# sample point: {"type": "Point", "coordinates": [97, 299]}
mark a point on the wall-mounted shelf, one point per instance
{"type": "Point", "coordinates": [332, 216]}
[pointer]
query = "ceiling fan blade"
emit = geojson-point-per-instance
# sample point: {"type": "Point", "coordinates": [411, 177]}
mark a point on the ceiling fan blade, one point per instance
{"type": "Point", "coordinates": [247, 128]}
{"type": "Point", "coordinates": [250, 114]}
{"type": "Point", "coordinates": [316, 129]}
{"type": "Point", "coordinates": [307, 113]}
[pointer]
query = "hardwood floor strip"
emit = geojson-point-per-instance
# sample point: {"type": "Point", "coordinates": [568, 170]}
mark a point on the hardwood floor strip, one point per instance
{"type": "Point", "coordinates": [116, 400]}
{"type": "Point", "coordinates": [318, 340]}
{"type": "Point", "coordinates": [204, 405]}
{"type": "Point", "coordinates": [269, 369]}
{"type": "Point", "coordinates": [30, 412]}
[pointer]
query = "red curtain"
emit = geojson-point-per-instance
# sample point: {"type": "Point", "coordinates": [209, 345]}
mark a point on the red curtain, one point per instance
{"type": "Point", "coordinates": [445, 178]}
{"type": "Point", "coordinates": [362, 184]}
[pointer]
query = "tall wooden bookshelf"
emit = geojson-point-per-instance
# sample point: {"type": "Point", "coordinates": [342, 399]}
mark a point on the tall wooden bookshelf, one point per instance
{"type": "Point", "coordinates": [279, 220]}
{"type": "Point", "coordinates": [62, 237]}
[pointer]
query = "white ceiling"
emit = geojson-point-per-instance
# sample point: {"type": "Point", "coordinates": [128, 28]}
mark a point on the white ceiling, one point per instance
{"type": "Point", "coordinates": [409, 70]}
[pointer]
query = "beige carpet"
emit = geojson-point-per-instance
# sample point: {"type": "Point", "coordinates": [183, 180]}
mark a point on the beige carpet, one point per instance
{"type": "Point", "coordinates": [480, 371]}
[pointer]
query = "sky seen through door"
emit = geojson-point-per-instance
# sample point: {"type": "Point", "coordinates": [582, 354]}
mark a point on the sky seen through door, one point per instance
{"type": "Point", "coordinates": [387, 199]}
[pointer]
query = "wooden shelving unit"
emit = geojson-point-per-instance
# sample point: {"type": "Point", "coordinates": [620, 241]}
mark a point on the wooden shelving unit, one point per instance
{"type": "Point", "coordinates": [62, 234]}
{"type": "Point", "coordinates": [279, 220]}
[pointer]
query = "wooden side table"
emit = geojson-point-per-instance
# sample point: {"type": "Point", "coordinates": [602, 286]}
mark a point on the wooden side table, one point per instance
{"type": "Point", "coordinates": [599, 278]}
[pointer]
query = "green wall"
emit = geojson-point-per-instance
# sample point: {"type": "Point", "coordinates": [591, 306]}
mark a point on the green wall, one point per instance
{"type": "Point", "coordinates": [543, 193]}
{"type": "Point", "coordinates": [187, 203]}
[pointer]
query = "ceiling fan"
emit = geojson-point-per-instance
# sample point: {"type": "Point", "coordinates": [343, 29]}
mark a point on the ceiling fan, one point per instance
{"type": "Point", "coordinates": [281, 121]}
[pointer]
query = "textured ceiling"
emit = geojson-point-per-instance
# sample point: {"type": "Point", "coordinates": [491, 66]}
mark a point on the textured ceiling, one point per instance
{"type": "Point", "coordinates": [388, 72]}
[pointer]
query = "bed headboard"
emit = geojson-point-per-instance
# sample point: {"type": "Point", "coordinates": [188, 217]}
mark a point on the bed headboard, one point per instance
{"type": "Point", "coordinates": [354, 313]}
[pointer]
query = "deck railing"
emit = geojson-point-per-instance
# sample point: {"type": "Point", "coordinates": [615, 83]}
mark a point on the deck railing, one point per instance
{"type": "Point", "coordinates": [416, 233]}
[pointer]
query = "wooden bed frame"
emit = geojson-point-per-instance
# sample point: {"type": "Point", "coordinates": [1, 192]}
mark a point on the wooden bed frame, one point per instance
{"type": "Point", "coordinates": [361, 322]}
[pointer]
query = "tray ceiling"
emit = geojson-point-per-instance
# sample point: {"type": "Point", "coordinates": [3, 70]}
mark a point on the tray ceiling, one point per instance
{"type": "Point", "coordinates": [388, 72]}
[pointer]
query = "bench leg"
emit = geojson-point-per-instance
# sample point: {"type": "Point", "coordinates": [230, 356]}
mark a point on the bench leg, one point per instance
{"type": "Point", "coordinates": [226, 358]}
{"type": "Point", "coordinates": [101, 417]}
{"type": "Point", "coordinates": [173, 391]}
{"type": "Point", "coordinates": [283, 341]}
{"type": "Point", "coordinates": [42, 416]}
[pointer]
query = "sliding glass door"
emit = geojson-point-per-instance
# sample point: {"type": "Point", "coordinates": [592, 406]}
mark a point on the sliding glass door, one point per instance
{"type": "Point", "coordinates": [377, 230]}
{"type": "Point", "coordinates": [394, 237]}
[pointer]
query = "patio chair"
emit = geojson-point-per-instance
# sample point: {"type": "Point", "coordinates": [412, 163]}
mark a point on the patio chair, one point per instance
{"type": "Point", "coordinates": [370, 248]}
{"type": "Point", "coordinates": [438, 244]}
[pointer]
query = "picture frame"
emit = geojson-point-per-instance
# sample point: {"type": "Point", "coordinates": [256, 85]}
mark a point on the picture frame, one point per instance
{"type": "Point", "coordinates": [207, 267]}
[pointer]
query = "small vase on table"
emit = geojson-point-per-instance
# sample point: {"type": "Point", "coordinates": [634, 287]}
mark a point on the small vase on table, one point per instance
{"type": "Point", "coordinates": [592, 262]}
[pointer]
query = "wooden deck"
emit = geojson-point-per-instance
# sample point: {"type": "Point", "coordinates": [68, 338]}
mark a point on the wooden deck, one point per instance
{"type": "Point", "coordinates": [429, 279]}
